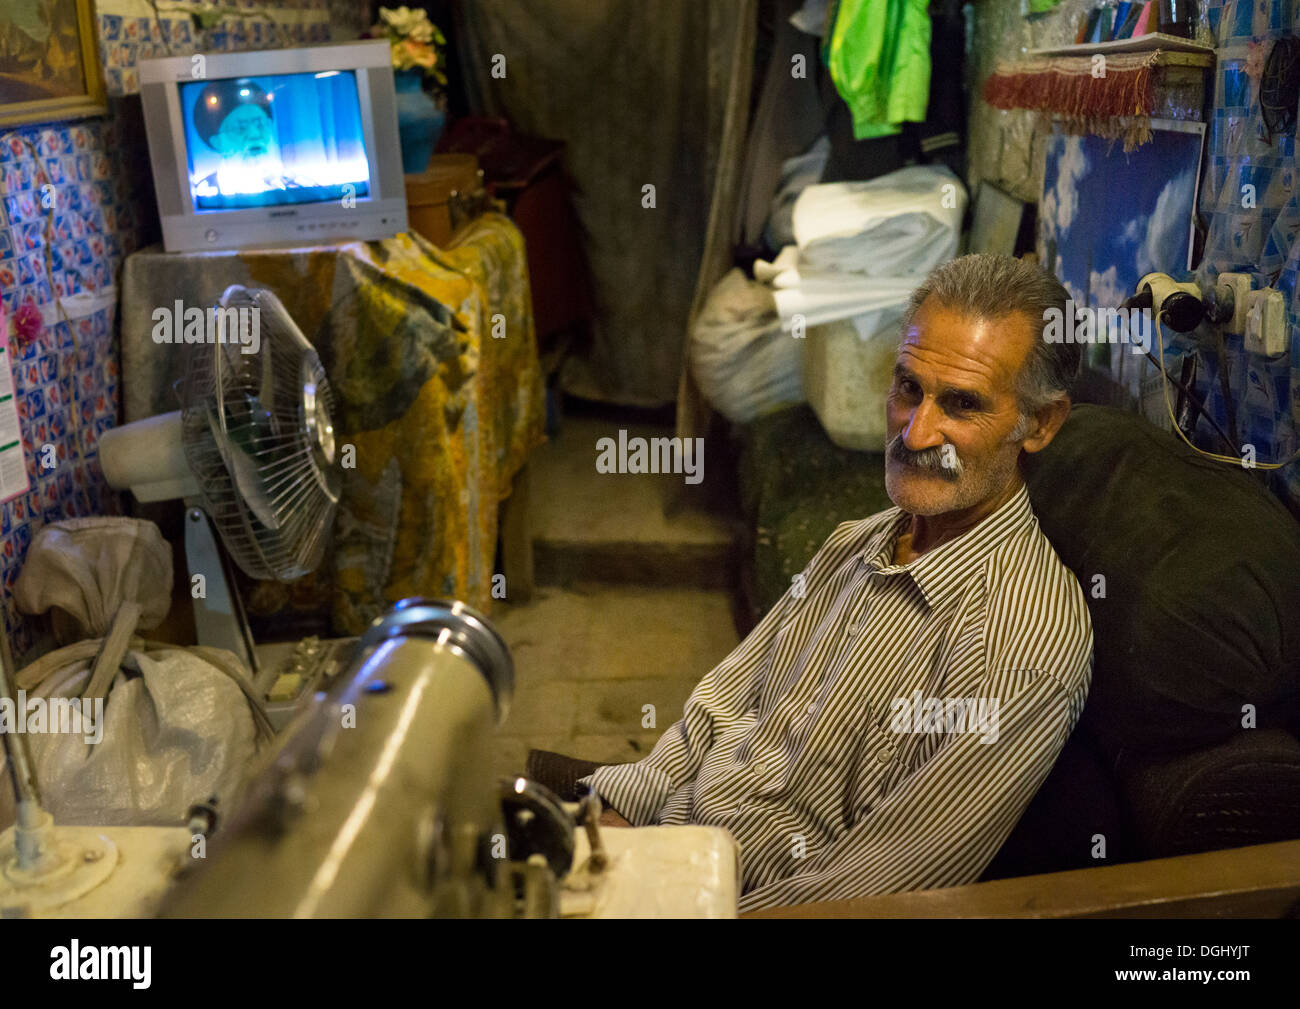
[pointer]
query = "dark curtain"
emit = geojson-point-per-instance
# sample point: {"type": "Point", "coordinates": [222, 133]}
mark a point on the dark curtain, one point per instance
{"type": "Point", "coordinates": [642, 93]}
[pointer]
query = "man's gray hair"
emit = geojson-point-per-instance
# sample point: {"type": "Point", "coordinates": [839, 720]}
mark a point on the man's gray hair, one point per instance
{"type": "Point", "coordinates": [994, 287]}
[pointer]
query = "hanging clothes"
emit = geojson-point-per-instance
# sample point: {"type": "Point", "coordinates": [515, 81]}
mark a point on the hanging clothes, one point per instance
{"type": "Point", "coordinates": [878, 55]}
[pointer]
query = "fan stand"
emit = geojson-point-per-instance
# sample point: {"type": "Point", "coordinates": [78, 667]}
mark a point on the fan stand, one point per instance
{"type": "Point", "coordinates": [220, 622]}
{"type": "Point", "coordinates": [219, 618]}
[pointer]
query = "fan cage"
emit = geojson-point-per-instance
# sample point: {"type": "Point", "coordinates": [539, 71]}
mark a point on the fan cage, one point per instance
{"type": "Point", "coordinates": [222, 415]}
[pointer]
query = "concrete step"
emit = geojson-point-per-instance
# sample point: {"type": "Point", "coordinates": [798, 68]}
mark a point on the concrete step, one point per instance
{"type": "Point", "coordinates": [626, 528]}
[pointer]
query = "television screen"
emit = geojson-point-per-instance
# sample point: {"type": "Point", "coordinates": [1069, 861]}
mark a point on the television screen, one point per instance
{"type": "Point", "coordinates": [274, 140]}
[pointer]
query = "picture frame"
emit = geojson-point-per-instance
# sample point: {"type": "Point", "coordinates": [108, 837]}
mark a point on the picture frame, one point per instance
{"type": "Point", "coordinates": [997, 221]}
{"type": "Point", "coordinates": [49, 62]}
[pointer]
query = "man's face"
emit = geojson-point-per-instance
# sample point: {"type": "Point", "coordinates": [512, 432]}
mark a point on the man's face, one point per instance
{"type": "Point", "coordinates": [245, 133]}
{"type": "Point", "coordinates": [952, 408]}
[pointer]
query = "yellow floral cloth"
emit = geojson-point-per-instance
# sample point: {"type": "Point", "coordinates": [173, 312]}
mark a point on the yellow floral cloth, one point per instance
{"type": "Point", "coordinates": [459, 445]}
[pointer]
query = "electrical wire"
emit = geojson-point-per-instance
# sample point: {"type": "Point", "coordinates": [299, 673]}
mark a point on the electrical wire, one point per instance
{"type": "Point", "coordinates": [1230, 460]}
{"type": "Point", "coordinates": [1196, 402]}
{"type": "Point", "coordinates": [1279, 87]}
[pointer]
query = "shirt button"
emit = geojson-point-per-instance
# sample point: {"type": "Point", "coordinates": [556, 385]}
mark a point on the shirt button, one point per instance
{"type": "Point", "coordinates": [812, 709]}
{"type": "Point", "coordinates": [851, 629]}
{"type": "Point", "coordinates": [760, 768]}
{"type": "Point", "coordinates": [885, 755]}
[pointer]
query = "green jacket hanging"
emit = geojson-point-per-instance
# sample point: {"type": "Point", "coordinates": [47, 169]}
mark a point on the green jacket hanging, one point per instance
{"type": "Point", "coordinates": [878, 54]}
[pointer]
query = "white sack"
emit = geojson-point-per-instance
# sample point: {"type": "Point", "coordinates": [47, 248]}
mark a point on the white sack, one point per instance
{"type": "Point", "coordinates": [893, 225]}
{"type": "Point", "coordinates": [177, 734]}
{"type": "Point", "coordinates": [177, 725]}
{"type": "Point", "coordinates": [85, 568]}
{"type": "Point", "coordinates": [743, 363]}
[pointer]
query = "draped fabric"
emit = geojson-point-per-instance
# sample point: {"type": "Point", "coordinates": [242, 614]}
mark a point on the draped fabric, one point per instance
{"type": "Point", "coordinates": [737, 59]}
{"type": "Point", "coordinates": [790, 112]}
{"type": "Point", "coordinates": [640, 92]}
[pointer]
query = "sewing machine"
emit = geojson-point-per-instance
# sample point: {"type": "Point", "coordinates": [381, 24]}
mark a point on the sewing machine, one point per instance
{"type": "Point", "coordinates": [377, 801]}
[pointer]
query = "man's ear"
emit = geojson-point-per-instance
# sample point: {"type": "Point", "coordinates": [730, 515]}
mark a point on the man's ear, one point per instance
{"type": "Point", "coordinates": [1047, 421]}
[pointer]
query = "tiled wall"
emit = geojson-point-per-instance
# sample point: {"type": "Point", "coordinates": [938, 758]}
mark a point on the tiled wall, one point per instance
{"type": "Point", "coordinates": [61, 249]}
{"type": "Point", "coordinates": [131, 30]}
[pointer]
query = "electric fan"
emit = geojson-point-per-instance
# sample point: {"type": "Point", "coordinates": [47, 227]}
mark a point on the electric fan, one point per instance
{"type": "Point", "coordinates": [252, 452]}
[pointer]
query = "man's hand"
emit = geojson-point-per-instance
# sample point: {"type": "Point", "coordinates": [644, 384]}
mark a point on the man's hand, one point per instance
{"type": "Point", "coordinates": [610, 818]}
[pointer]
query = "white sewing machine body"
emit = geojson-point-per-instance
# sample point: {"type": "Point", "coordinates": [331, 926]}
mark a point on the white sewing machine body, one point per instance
{"type": "Point", "coordinates": [378, 801]}
{"type": "Point", "coordinates": [657, 872]}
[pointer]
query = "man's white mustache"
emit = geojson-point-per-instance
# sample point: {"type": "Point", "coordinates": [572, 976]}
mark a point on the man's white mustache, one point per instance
{"type": "Point", "coordinates": [929, 459]}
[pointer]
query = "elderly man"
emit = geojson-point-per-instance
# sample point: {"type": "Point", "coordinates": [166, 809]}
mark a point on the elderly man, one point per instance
{"type": "Point", "coordinates": [886, 723]}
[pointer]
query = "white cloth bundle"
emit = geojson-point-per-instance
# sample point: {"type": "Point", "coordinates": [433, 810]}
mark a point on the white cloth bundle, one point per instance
{"type": "Point", "coordinates": [905, 222]}
{"type": "Point", "coordinates": [815, 297]}
{"type": "Point", "coordinates": [862, 248]}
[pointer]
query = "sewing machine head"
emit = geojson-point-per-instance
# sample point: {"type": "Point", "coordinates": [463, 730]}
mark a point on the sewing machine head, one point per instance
{"type": "Point", "coordinates": [380, 800]}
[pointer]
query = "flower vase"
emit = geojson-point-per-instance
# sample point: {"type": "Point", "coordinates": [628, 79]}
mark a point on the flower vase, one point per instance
{"type": "Point", "coordinates": [419, 121]}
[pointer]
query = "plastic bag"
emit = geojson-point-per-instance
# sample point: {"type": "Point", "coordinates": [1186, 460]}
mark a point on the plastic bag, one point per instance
{"type": "Point", "coordinates": [743, 363]}
{"type": "Point", "coordinates": [177, 733]}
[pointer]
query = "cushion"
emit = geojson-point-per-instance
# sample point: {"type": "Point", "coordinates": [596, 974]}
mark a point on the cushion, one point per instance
{"type": "Point", "coordinates": [1244, 791]}
{"type": "Point", "coordinates": [796, 486]}
{"type": "Point", "coordinates": [1059, 827]}
{"type": "Point", "coordinates": [1191, 569]}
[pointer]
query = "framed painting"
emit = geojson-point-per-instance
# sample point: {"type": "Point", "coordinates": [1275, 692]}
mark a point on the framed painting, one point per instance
{"type": "Point", "coordinates": [49, 61]}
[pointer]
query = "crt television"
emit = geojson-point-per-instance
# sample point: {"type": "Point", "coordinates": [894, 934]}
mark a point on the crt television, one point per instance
{"type": "Point", "coordinates": [274, 147]}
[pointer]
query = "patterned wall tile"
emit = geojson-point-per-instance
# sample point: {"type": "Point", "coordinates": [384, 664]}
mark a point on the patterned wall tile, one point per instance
{"type": "Point", "coordinates": [131, 31]}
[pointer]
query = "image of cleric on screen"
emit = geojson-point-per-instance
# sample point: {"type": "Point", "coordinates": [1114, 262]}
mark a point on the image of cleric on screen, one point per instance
{"type": "Point", "coordinates": [265, 141]}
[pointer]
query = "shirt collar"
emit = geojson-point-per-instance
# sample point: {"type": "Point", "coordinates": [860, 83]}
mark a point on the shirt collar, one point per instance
{"type": "Point", "coordinates": [940, 571]}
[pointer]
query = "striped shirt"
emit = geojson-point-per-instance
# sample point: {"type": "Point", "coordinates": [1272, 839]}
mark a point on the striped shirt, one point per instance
{"type": "Point", "coordinates": [885, 725]}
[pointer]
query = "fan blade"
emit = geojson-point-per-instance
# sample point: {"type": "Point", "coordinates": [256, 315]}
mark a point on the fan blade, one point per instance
{"type": "Point", "coordinates": [246, 474]}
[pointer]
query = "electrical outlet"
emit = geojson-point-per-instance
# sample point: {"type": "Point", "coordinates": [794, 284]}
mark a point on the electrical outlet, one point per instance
{"type": "Point", "coordinates": [1240, 284]}
{"type": "Point", "coordinates": [1275, 324]}
{"type": "Point", "coordinates": [1265, 330]}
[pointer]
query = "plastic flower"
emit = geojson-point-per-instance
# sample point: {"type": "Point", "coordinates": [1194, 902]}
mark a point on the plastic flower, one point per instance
{"type": "Point", "coordinates": [414, 39]}
{"type": "Point", "coordinates": [28, 322]}
{"type": "Point", "coordinates": [407, 23]}
{"type": "Point", "coordinates": [407, 55]}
